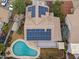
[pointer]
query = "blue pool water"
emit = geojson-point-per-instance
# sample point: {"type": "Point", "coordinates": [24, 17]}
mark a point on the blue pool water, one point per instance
{"type": "Point", "coordinates": [21, 49]}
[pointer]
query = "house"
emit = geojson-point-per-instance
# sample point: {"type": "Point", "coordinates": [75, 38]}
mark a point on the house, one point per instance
{"type": "Point", "coordinates": [72, 21]}
{"type": "Point", "coordinates": [41, 28]}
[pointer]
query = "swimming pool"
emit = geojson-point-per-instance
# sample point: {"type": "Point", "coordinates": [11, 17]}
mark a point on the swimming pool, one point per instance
{"type": "Point", "coordinates": [20, 48]}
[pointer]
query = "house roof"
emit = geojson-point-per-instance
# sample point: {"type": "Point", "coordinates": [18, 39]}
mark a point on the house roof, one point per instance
{"type": "Point", "coordinates": [66, 5]}
{"type": "Point", "coordinates": [45, 22]}
{"type": "Point", "coordinates": [73, 24]}
{"type": "Point", "coordinates": [74, 48]}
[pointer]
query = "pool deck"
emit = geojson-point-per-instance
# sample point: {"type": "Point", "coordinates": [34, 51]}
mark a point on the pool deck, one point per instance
{"type": "Point", "coordinates": [31, 44]}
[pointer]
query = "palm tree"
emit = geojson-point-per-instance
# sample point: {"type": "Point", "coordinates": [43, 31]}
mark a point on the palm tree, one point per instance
{"type": "Point", "coordinates": [19, 6]}
{"type": "Point", "coordinates": [56, 9]}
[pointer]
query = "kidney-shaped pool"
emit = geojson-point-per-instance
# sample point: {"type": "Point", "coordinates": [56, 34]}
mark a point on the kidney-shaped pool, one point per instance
{"type": "Point", "coordinates": [20, 48]}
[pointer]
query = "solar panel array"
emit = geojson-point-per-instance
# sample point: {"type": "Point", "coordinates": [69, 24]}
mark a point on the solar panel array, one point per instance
{"type": "Point", "coordinates": [38, 34]}
{"type": "Point", "coordinates": [41, 10]}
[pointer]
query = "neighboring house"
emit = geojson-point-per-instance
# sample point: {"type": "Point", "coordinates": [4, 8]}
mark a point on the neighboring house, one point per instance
{"type": "Point", "coordinates": [4, 15]}
{"type": "Point", "coordinates": [75, 3]}
{"type": "Point", "coordinates": [67, 7]}
{"type": "Point", "coordinates": [42, 29]}
{"type": "Point", "coordinates": [72, 20]}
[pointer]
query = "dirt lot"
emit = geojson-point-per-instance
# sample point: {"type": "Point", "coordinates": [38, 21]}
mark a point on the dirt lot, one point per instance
{"type": "Point", "coordinates": [52, 53]}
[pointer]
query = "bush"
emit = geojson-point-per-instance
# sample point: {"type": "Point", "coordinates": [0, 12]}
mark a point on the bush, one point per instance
{"type": "Point", "coordinates": [5, 27]}
{"type": "Point", "coordinates": [20, 31]}
{"type": "Point", "coordinates": [2, 48]}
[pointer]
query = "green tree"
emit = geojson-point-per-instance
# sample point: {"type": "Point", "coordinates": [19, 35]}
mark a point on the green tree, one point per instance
{"type": "Point", "coordinates": [28, 2]}
{"type": "Point", "coordinates": [56, 9]}
{"type": "Point", "coordinates": [19, 6]}
{"type": "Point", "coordinates": [50, 7]}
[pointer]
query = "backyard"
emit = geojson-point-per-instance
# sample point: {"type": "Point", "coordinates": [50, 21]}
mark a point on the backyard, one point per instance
{"type": "Point", "coordinates": [52, 53]}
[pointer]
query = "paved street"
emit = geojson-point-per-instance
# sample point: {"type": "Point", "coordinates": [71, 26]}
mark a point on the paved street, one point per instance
{"type": "Point", "coordinates": [10, 23]}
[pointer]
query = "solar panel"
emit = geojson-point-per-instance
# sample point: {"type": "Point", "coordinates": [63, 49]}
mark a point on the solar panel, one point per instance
{"type": "Point", "coordinates": [38, 34]}
{"type": "Point", "coordinates": [42, 10]}
{"type": "Point", "coordinates": [32, 10]}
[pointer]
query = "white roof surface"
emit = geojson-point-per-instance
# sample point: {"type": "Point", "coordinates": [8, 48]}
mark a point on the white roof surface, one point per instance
{"type": "Point", "coordinates": [74, 48]}
{"type": "Point", "coordinates": [72, 20]}
{"type": "Point", "coordinates": [60, 45]}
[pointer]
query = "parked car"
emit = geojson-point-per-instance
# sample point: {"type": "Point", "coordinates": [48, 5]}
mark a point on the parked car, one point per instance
{"type": "Point", "coordinates": [11, 8]}
{"type": "Point", "coordinates": [4, 2]}
{"type": "Point", "coordinates": [2, 36]}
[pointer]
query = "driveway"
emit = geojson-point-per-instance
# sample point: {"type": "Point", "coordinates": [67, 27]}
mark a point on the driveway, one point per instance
{"type": "Point", "coordinates": [4, 15]}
